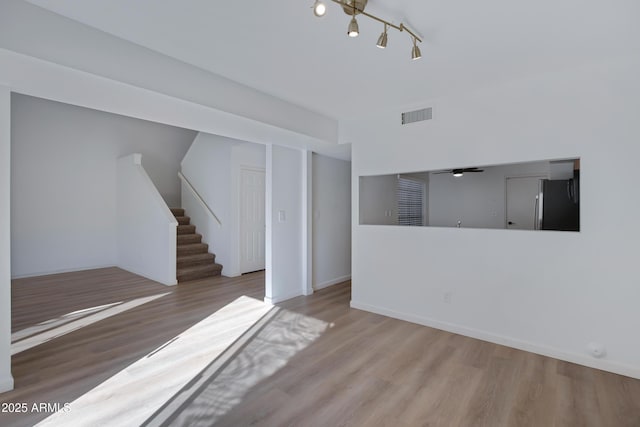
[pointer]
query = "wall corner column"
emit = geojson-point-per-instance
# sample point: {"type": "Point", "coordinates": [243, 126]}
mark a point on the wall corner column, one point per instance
{"type": "Point", "coordinates": [285, 256]}
{"type": "Point", "coordinates": [268, 219]}
{"type": "Point", "coordinates": [6, 379]}
{"type": "Point", "coordinates": [307, 222]}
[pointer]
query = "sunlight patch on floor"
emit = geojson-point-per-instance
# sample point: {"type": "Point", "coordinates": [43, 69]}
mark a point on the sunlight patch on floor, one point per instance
{"type": "Point", "coordinates": [51, 329]}
{"type": "Point", "coordinates": [279, 336]}
{"type": "Point", "coordinates": [131, 396]}
{"type": "Point", "coordinates": [50, 324]}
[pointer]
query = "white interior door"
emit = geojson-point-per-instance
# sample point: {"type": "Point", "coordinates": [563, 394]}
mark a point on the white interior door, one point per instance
{"type": "Point", "coordinates": [252, 220]}
{"type": "Point", "coordinates": [521, 202]}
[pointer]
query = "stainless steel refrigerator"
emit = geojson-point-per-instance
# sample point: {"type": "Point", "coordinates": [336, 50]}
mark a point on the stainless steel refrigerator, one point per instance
{"type": "Point", "coordinates": [558, 204]}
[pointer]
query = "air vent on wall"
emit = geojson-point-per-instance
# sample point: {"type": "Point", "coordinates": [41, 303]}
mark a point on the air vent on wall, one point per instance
{"type": "Point", "coordinates": [417, 115]}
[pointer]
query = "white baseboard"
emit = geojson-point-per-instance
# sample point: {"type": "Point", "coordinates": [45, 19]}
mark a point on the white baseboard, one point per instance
{"type": "Point", "coordinates": [170, 282]}
{"type": "Point", "coordinates": [96, 267]}
{"type": "Point", "coordinates": [580, 359]}
{"type": "Point", "coordinates": [228, 273]}
{"type": "Point", "coordinates": [60, 271]}
{"type": "Point", "coordinates": [277, 299]}
{"type": "Point", "coordinates": [331, 282]}
{"type": "Point", "coordinates": [6, 383]}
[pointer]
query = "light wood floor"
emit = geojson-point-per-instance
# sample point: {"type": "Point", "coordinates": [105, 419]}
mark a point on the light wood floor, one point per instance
{"type": "Point", "coordinates": [312, 361]}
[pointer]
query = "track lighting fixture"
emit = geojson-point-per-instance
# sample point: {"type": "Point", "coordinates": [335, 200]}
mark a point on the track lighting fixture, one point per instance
{"type": "Point", "coordinates": [356, 7]}
{"type": "Point", "coordinates": [382, 40]}
{"type": "Point", "coordinates": [415, 52]}
{"type": "Point", "coordinates": [319, 8]}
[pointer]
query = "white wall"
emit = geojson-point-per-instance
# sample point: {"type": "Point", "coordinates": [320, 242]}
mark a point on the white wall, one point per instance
{"type": "Point", "coordinates": [548, 292]}
{"type": "Point", "coordinates": [212, 165]}
{"type": "Point", "coordinates": [378, 202]}
{"type": "Point", "coordinates": [146, 227]}
{"type": "Point", "coordinates": [476, 199]}
{"type": "Point", "coordinates": [284, 277]}
{"type": "Point", "coordinates": [6, 380]}
{"type": "Point", "coordinates": [63, 191]}
{"type": "Point", "coordinates": [331, 221]}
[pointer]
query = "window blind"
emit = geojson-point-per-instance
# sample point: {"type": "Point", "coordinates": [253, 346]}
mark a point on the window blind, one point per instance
{"type": "Point", "coordinates": [410, 194]}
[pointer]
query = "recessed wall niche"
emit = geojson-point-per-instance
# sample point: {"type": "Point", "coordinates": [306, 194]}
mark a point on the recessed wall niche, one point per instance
{"type": "Point", "coordinates": [539, 195]}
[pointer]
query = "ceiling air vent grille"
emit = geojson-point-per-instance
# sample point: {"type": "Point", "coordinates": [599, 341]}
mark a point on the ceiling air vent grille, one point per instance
{"type": "Point", "coordinates": [417, 115]}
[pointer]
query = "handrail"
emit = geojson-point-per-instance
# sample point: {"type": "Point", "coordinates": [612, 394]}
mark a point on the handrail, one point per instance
{"type": "Point", "coordinates": [199, 198]}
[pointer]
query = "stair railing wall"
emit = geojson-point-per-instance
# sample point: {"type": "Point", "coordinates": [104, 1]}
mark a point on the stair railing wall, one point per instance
{"type": "Point", "coordinates": [199, 198]}
{"type": "Point", "coordinates": [146, 226]}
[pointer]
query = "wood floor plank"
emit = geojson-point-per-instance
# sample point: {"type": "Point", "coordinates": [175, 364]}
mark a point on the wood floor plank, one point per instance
{"type": "Point", "coordinates": [536, 393]}
{"type": "Point", "coordinates": [618, 399]}
{"type": "Point", "coordinates": [578, 404]}
{"type": "Point", "coordinates": [494, 397]}
{"type": "Point", "coordinates": [360, 369]}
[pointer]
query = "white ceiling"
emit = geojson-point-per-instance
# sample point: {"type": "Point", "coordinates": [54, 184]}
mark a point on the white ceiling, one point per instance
{"type": "Point", "coordinates": [279, 47]}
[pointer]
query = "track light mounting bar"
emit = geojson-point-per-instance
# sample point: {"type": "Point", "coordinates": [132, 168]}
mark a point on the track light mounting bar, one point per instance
{"type": "Point", "coordinates": [400, 27]}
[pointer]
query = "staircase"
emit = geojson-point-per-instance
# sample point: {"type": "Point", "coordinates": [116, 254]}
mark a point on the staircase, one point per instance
{"type": "Point", "coordinates": [194, 260]}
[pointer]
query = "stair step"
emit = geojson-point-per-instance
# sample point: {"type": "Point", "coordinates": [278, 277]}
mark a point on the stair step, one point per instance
{"type": "Point", "coordinates": [192, 248]}
{"type": "Point", "coordinates": [186, 229]}
{"type": "Point", "coordinates": [195, 259]}
{"type": "Point", "coordinates": [189, 238]}
{"type": "Point", "coordinates": [183, 220]}
{"type": "Point", "coordinates": [177, 211]}
{"type": "Point", "coordinates": [198, 272]}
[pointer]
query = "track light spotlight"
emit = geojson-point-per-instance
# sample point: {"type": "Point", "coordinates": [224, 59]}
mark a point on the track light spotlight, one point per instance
{"type": "Point", "coordinates": [382, 40]}
{"type": "Point", "coordinates": [353, 30]}
{"type": "Point", "coordinates": [415, 52]}
{"type": "Point", "coordinates": [319, 8]}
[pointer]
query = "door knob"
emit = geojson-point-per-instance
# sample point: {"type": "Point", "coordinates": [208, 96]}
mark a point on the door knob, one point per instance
{"type": "Point", "coordinates": [511, 223]}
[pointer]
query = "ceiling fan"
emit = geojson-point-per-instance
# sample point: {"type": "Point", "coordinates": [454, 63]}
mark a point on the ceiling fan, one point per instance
{"type": "Point", "coordinates": [460, 171]}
